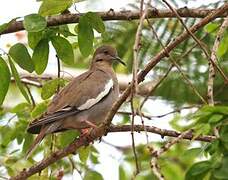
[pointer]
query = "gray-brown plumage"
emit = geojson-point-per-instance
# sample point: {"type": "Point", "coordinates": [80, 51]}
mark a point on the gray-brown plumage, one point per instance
{"type": "Point", "coordinates": [87, 98]}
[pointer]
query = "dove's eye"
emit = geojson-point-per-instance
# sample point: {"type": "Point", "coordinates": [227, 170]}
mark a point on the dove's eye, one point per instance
{"type": "Point", "coordinates": [99, 60]}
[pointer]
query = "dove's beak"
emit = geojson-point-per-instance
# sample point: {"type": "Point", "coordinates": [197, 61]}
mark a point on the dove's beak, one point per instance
{"type": "Point", "coordinates": [119, 60]}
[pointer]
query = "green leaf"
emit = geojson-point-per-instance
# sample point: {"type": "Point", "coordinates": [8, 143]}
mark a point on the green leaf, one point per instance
{"type": "Point", "coordinates": [6, 134]}
{"type": "Point", "coordinates": [213, 146]}
{"type": "Point", "coordinates": [223, 46]}
{"type": "Point", "coordinates": [92, 175]}
{"type": "Point", "coordinates": [223, 133]}
{"type": "Point", "coordinates": [84, 153]}
{"type": "Point", "coordinates": [49, 89]}
{"type": "Point", "coordinates": [94, 154]}
{"type": "Point", "coordinates": [20, 108]}
{"type": "Point", "coordinates": [50, 7]}
{"type": "Point", "coordinates": [67, 137]}
{"type": "Point", "coordinates": [34, 23]}
{"type": "Point", "coordinates": [85, 36]}
{"type": "Point", "coordinates": [198, 170]}
{"type": "Point", "coordinates": [222, 172]}
{"type": "Point", "coordinates": [96, 22]}
{"type": "Point", "coordinates": [21, 56]}
{"type": "Point", "coordinates": [94, 158]}
{"type": "Point", "coordinates": [27, 142]}
{"type": "Point", "coordinates": [10, 171]}
{"type": "Point", "coordinates": [63, 49]}
{"type": "Point", "coordinates": [39, 110]}
{"type": "Point", "coordinates": [4, 79]}
{"type": "Point", "coordinates": [17, 80]}
{"type": "Point", "coordinates": [193, 152]}
{"type": "Point", "coordinates": [201, 128]}
{"type": "Point", "coordinates": [215, 118]}
{"type": "Point", "coordinates": [64, 30]}
{"type": "Point", "coordinates": [213, 109]}
{"type": "Point", "coordinates": [40, 56]}
{"type": "Point", "coordinates": [211, 27]}
{"type": "Point", "coordinates": [122, 174]}
{"type": "Point", "coordinates": [34, 38]}
{"type": "Point", "coordinates": [11, 160]}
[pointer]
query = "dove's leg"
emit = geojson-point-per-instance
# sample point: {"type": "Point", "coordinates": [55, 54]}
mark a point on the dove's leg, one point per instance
{"type": "Point", "coordinates": [86, 131]}
{"type": "Point", "coordinates": [92, 125]}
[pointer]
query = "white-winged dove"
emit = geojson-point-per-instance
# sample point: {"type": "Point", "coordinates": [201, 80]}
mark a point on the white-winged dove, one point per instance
{"type": "Point", "coordinates": [84, 102]}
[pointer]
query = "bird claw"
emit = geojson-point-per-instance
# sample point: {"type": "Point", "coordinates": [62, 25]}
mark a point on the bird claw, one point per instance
{"type": "Point", "coordinates": [85, 134]}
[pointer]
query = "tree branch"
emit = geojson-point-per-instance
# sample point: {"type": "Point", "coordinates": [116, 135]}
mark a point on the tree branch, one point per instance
{"type": "Point", "coordinates": [211, 74]}
{"type": "Point", "coordinates": [119, 15]}
{"type": "Point", "coordinates": [84, 141]}
{"type": "Point", "coordinates": [162, 132]}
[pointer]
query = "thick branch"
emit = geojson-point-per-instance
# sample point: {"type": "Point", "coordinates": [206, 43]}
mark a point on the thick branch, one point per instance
{"type": "Point", "coordinates": [120, 15]}
{"type": "Point", "coordinates": [83, 141]}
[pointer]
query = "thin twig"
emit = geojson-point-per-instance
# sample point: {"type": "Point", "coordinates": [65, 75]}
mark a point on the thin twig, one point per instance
{"type": "Point", "coordinates": [58, 71]}
{"type": "Point", "coordinates": [156, 86]}
{"type": "Point", "coordinates": [159, 131]}
{"type": "Point", "coordinates": [74, 167]}
{"type": "Point", "coordinates": [211, 74]}
{"type": "Point", "coordinates": [141, 8]}
{"type": "Point", "coordinates": [157, 153]}
{"type": "Point", "coordinates": [11, 118]}
{"type": "Point", "coordinates": [178, 67]}
{"type": "Point", "coordinates": [143, 124]}
{"type": "Point", "coordinates": [132, 137]}
{"type": "Point", "coordinates": [31, 96]}
{"type": "Point", "coordinates": [150, 117]}
{"type": "Point", "coordinates": [198, 41]}
{"type": "Point", "coordinates": [120, 148]}
{"type": "Point", "coordinates": [134, 88]}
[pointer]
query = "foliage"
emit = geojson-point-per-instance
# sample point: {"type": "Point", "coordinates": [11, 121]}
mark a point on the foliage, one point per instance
{"type": "Point", "coordinates": [73, 45]}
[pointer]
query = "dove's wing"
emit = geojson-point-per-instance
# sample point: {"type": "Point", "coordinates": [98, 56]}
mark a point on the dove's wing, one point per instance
{"type": "Point", "coordinates": [77, 96]}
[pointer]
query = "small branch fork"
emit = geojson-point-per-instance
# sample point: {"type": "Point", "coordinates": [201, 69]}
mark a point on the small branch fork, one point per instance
{"type": "Point", "coordinates": [157, 153]}
{"type": "Point", "coordinates": [105, 127]}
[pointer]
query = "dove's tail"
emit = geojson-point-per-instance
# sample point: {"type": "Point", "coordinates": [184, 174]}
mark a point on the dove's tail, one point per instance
{"type": "Point", "coordinates": [36, 142]}
{"type": "Point", "coordinates": [44, 131]}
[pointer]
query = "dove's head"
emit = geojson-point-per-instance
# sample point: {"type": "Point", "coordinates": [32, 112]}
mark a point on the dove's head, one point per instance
{"type": "Point", "coordinates": [105, 56]}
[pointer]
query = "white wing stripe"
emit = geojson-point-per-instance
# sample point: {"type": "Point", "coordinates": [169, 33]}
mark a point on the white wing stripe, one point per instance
{"type": "Point", "coordinates": [90, 102]}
